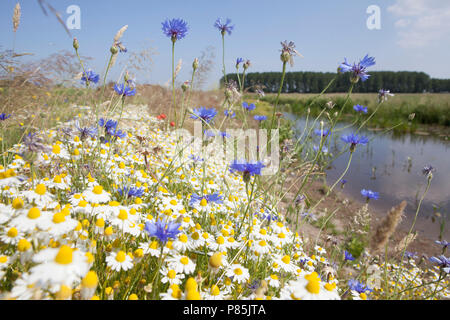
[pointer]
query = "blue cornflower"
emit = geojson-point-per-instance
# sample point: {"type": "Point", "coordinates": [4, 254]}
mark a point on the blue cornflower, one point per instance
{"type": "Point", "coordinates": [163, 231]}
{"type": "Point", "coordinates": [248, 107]}
{"type": "Point", "coordinates": [86, 131]}
{"type": "Point", "coordinates": [195, 158]}
{"type": "Point", "coordinates": [322, 133]}
{"type": "Point", "coordinates": [383, 94]}
{"type": "Point", "coordinates": [248, 169]}
{"type": "Point", "coordinates": [360, 108]}
{"type": "Point", "coordinates": [238, 62]}
{"type": "Point", "coordinates": [175, 29]}
{"type": "Point", "coordinates": [229, 113]}
{"type": "Point", "coordinates": [443, 262]}
{"type": "Point", "coordinates": [427, 170]}
{"type": "Point", "coordinates": [267, 216]}
{"type": "Point", "coordinates": [309, 215]}
{"type": "Point", "coordinates": [215, 197]}
{"type": "Point", "coordinates": [131, 191]}
{"type": "Point", "coordinates": [369, 194]}
{"type": "Point", "coordinates": [90, 76]}
{"type": "Point", "coordinates": [108, 124]}
{"type": "Point", "coordinates": [358, 286]}
{"type": "Point", "coordinates": [4, 116]}
{"type": "Point", "coordinates": [121, 89]}
{"type": "Point", "coordinates": [443, 243]}
{"type": "Point", "coordinates": [348, 256]}
{"type": "Point", "coordinates": [410, 255]}
{"type": "Point", "coordinates": [116, 133]}
{"type": "Point", "coordinates": [359, 71]}
{"type": "Point", "coordinates": [260, 118]}
{"type": "Point", "coordinates": [324, 149]}
{"type": "Point", "coordinates": [204, 114]}
{"type": "Point", "coordinates": [223, 27]}
{"type": "Point", "coordinates": [224, 134]}
{"type": "Point", "coordinates": [354, 139]}
{"type": "Point", "coordinates": [343, 182]}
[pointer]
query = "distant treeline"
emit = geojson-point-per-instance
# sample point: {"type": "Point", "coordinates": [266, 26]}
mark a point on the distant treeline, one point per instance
{"type": "Point", "coordinates": [315, 82]}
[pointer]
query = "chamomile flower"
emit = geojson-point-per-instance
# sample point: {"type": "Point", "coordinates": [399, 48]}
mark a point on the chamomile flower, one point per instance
{"type": "Point", "coordinates": [119, 261]}
{"type": "Point", "coordinates": [11, 236]}
{"type": "Point", "coordinates": [181, 264]}
{"type": "Point", "coordinates": [97, 195]}
{"type": "Point", "coordinates": [171, 276]}
{"type": "Point", "coordinates": [63, 265]}
{"type": "Point", "coordinates": [239, 273]}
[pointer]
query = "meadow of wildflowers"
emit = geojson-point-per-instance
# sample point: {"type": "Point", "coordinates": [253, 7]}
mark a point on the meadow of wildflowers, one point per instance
{"type": "Point", "coordinates": [113, 205]}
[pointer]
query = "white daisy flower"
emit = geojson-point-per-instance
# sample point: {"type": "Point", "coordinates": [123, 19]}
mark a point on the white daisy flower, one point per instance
{"type": "Point", "coordinates": [119, 261]}
{"type": "Point", "coordinates": [181, 264]}
{"type": "Point", "coordinates": [58, 266]}
{"type": "Point", "coordinates": [239, 273]}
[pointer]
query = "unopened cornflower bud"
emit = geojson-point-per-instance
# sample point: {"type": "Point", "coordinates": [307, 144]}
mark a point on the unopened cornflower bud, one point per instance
{"type": "Point", "coordinates": [246, 65]}
{"type": "Point", "coordinates": [76, 45]}
{"type": "Point", "coordinates": [195, 64]}
{"type": "Point", "coordinates": [185, 85]}
{"type": "Point", "coordinates": [114, 49]}
{"type": "Point", "coordinates": [285, 56]}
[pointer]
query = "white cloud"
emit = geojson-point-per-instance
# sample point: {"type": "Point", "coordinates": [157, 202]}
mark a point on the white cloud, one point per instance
{"type": "Point", "coordinates": [421, 22]}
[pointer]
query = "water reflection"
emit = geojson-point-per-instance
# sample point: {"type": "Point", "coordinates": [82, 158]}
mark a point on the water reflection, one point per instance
{"type": "Point", "coordinates": [391, 164]}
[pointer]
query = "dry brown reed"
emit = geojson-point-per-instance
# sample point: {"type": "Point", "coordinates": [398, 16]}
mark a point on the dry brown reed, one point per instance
{"type": "Point", "coordinates": [387, 227]}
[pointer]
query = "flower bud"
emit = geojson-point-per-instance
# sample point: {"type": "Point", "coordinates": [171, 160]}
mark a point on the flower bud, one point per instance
{"type": "Point", "coordinates": [76, 45]}
{"type": "Point", "coordinates": [195, 64]}
{"type": "Point", "coordinates": [285, 56]}
{"type": "Point", "coordinates": [246, 64]}
{"type": "Point", "coordinates": [185, 85]}
{"type": "Point", "coordinates": [114, 49]}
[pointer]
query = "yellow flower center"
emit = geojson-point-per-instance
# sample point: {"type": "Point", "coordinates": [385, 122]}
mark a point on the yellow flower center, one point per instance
{"type": "Point", "coordinates": [184, 260]}
{"type": "Point", "coordinates": [23, 245]}
{"type": "Point", "coordinates": [281, 235]}
{"type": "Point", "coordinates": [98, 190]}
{"type": "Point", "coordinates": [34, 213]}
{"type": "Point", "coordinates": [40, 189]}
{"type": "Point", "coordinates": [274, 276]}
{"type": "Point", "coordinates": [363, 296]}
{"type": "Point", "coordinates": [313, 286]}
{"type": "Point", "coordinates": [203, 202]}
{"type": "Point", "coordinates": [171, 274]}
{"type": "Point", "coordinates": [173, 202]}
{"type": "Point", "coordinates": [238, 271]}
{"type": "Point", "coordinates": [183, 238]}
{"type": "Point", "coordinates": [59, 217]}
{"type": "Point", "coordinates": [215, 291]}
{"type": "Point", "coordinates": [123, 215]}
{"type": "Point", "coordinates": [12, 233]}
{"type": "Point", "coordinates": [191, 284]}
{"type": "Point", "coordinates": [120, 257]}
{"type": "Point", "coordinates": [17, 203]}
{"type": "Point", "coordinates": [57, 179]}
{"type": "Point", "coordinates": [64, 255]}
{"type": "Point", "coordinates": [330, 286]}
{"type": "Point", "coordinates": [100, 223]}
{"type": "Point", "coordinates": [56, 149]}
{"type": "Point", "coordinates": [216, 260]}
{"type": "Point", "coordinates": [220, 240]}
{"type": "Point", "coordinates": [262, 243]}
{"type": "Point", "coordinates": [90, 280]}
{"type": "Point", "coordinates": [3, 259]}
{"type": "Point", "coordinates": [286, 259]}
{"type": "Point", "coordinates": [263, 231]}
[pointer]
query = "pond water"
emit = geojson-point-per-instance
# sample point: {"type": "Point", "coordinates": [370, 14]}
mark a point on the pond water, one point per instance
{"type": "Point", "coordinates": [392, 164]}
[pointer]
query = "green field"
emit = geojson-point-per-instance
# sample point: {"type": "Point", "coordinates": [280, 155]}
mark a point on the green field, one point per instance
{"type": "Point", "coordinates": [431, 111]}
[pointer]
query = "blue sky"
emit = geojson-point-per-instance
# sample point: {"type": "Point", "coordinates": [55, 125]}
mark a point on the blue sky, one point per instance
{"type": "Point", "coordinates": [414, 34]}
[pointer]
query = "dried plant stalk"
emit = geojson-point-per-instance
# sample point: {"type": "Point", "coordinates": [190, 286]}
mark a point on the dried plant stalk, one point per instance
{"type": "Point", "coordinates": [16, 17]}
{"type": "Point", "coordinates": [387, 227]}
